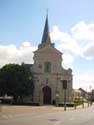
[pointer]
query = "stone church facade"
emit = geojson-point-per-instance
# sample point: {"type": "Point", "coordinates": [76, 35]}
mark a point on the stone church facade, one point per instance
{"type": "Point", "coordinates": [49, 73]}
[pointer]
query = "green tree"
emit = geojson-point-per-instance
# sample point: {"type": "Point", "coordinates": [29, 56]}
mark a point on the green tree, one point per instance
{"type": "Point", "coordinates": [16, 81]}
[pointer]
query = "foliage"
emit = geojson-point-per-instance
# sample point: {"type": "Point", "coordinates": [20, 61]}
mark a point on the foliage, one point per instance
{"type": "Point", "coordinates": [72, 104]}
{"type": "Point", "coordinates": [68, 104]}
{"type": "Point", "coordinates": [78, 102]}
{"type": "Point", "coordinates": [16, 81]}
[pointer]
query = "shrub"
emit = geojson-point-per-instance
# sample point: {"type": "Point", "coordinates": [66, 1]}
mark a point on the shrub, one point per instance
{"type": "Point", "coordinates": [72, 104]}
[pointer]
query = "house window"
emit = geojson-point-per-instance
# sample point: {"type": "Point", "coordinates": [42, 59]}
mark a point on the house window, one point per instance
{"type": "Point", "coordinates": [47, 67]}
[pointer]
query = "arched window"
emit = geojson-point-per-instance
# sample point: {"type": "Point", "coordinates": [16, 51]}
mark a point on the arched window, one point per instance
{"type": "Point", "coordinates": [47, 67]}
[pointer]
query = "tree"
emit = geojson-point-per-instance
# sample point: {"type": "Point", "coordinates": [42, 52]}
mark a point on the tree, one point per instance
{"type": "Point", "coordinates": [16, 81]}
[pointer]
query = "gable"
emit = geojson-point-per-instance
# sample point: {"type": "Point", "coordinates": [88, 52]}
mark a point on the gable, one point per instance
{"type": "Point", "coordinates": [48, 49]}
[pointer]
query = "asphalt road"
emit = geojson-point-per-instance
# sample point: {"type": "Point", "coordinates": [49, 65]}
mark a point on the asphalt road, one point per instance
{"type": "Point", "coordinates": [74, 117]}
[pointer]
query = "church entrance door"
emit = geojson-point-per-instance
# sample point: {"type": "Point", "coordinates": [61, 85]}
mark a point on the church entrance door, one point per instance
{"type": "Point", "coordinates": [46, 95]}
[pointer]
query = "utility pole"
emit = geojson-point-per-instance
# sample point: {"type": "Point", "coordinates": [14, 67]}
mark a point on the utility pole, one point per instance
{"type": "Point", "coordinates": [64, 99]}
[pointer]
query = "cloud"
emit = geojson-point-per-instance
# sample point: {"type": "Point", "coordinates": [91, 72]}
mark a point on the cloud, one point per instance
{"type": "Point", "coordinates": [83, 31]}
{"type": "Point", "coordinates": [12, 54]}
{"type": "Point", "coordinates": [88, 51]}
{"type": "Point", "coordinates": [84, 80]}
{"type": "Point", "coordinates": [68, 60]}
{"type": "Point", "coordinates": [79, 42]}
{"type": "Point", "coordinates": [26, 44]}
{"type": "Point", "coordinates": [66, 44]}
{"type": "Point", "coordinates": [65, 41]}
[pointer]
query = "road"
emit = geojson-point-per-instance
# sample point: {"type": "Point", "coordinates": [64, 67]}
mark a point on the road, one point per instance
{"type": "Point", "coordinates": [74, 117]}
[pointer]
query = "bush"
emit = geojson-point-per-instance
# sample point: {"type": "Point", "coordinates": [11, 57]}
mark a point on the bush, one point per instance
{"type": "Point", "coordinates": [72, 104]}
{"type": "Point", "coordinates": [26, 104]}
{"type": "Point", "coordinates": [6, 101]}
{"type": "Point", "coordinates": [78, 102]}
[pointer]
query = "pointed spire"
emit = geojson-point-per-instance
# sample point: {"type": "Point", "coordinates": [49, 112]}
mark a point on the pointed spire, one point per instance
{"type": "Point", "coordinates": [46, 34]}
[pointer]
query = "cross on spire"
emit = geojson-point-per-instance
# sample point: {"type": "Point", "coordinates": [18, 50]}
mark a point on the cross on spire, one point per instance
{"type": "Point", "coordinates": [47, 11]}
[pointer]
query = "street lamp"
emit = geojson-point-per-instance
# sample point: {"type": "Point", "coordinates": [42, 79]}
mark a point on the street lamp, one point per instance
{"type": "Point", "coordinates": [90, 95]}
{"type": "Point", "coordinates": [82, 102]}
{"type": "Point", "coordinates": [57, 99]}
{"type": "Point", "coordinates": [64, 84]}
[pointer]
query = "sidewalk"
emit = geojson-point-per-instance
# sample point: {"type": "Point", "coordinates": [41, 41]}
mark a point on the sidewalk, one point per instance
{"type": "Point", "coordinates": [16, 111]}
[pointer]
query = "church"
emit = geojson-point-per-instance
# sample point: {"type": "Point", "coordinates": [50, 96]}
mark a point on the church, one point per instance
{"type": "Point", "coordinates": [49, 74]}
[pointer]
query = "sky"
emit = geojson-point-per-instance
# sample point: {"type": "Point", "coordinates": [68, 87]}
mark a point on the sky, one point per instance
{"type": "Point", "coordinates": [71, 25]}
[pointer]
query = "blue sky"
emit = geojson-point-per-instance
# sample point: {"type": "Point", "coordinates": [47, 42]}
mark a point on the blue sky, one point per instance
{"type": "Point", "coordinates": [71, 25]}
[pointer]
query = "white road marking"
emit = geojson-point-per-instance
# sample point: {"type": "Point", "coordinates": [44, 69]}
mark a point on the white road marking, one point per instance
{"type": "Point", "coordinates": [72, 118]}
{"type": "Point", "coordinates": [57, 123]}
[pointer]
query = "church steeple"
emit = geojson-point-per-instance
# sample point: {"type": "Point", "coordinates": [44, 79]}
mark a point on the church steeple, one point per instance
{"type": "Point", "coordinates": [46, 34]}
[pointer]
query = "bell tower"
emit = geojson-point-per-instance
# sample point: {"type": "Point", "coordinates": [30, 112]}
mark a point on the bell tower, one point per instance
{"type": "Point", "coordinates": [46, 35]}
